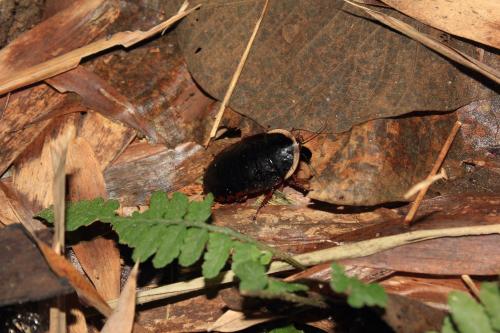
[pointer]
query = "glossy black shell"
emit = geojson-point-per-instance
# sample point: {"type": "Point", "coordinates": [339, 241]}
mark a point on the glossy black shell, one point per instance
{"type": "Point", "coordinates": [250, 167]}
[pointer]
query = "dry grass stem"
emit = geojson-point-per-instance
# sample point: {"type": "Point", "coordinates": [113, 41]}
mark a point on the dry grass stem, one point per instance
{"type": "Point", "coordinates": [353, 250]}
{"type": "Point", "coordinates": [439, 161]}
{"type": "Point", "coordinates": [236, 76]}
{"type": "Point", "coordinates": [431, 43]}
{"type": "Point", "coordinates": [71, 59]}
{"type": "Point", "coordinates": [58, 153]}
{"type": "Point", "coordinates": [425, 183]}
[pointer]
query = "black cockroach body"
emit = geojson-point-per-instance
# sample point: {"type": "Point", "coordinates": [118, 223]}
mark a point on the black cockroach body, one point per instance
{"type": "Point", "coordinates": [255, 165]}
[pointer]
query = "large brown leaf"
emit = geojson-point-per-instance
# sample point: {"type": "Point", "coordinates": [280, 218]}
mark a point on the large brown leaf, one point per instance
{"type": "Point", "coordinates": [319, 63]}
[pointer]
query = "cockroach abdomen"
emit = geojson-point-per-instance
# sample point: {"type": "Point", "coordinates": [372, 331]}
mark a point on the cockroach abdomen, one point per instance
{"type": "Point", "coordinates": [252, 166]}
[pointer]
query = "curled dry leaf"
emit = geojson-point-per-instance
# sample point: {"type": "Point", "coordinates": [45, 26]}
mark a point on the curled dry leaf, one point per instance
{"type": "Point", "coordinates": [65, 269]}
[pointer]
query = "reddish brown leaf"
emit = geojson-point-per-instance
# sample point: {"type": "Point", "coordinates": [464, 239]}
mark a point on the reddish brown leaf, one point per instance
{"type": "Point", "coordinates": [65, 269]}
{"type": "Point", "coordinates": [377, 161]}
{"type": "Point", "coordinates": [99, 257]}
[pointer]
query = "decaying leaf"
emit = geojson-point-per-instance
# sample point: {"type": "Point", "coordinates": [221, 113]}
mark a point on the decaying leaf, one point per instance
{"type": "Point", "coordinates": [377, 161]}
{"type": "Point", "coordinates": [321, 63]}
{"type": "Point", "coordinates": [65, 269]}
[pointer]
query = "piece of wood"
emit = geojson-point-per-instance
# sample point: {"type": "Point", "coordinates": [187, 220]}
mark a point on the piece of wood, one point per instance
{"type": "Point", "coordinates": [22, 108]}
{"type": "Point", "coordinates": [107, 138]}
{"type": "Point", "coordinates": [133, 181]}
{"type": "Point", "coordinates": [57, 65]}
{"type": "Point", "coordinates": [99, 257]}
{"type": "Point", "coordinates": [68, 29]}
{"type": "Point", "coordinates": [293, 228]}
{"type": "Point", "coordinates": [32, 174]}
{"type": "Point", "coordinates": [201, 311]}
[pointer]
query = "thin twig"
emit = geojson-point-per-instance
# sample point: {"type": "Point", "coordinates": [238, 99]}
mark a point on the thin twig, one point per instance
{"type": "Point", "coordinates": [59, 151]}
{"type": "Point", "coordinates": [236, 76]}
{"type": "Point", "coordinates": [439, 161]}
{"type": "Point", "coordinates": [472, 286]}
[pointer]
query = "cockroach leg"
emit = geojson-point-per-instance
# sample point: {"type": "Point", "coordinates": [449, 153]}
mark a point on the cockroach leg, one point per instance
{"type": "Point", "coordinates": [265, 201]}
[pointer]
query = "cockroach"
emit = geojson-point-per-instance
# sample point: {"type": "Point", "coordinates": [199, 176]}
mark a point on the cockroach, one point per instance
{"type": "Point", "coordinates": [255, 165]}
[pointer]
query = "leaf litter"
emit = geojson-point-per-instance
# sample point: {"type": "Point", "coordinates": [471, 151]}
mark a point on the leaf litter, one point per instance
{"type": "Point", "coordinates": [380, 140]}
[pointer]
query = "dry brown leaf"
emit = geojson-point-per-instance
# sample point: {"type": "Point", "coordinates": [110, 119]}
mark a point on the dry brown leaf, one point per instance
{"type": "Point", "coordinates": [41, 71]}
{"type": "Point", "coordinates": [478, 20]}
{"type": "Point", "coordinates": [65, 269]}
{"type": "Point", "coordinates": [99, 95]}
{"type": "Point", "coordinates": [99, 257]}
{"type": "Point", "coordinates": [320, 64]}
{"type": "Point", "coordinates": [14, 210]}
{"type": "Point", "coordinates": [449, 52]}
{"type": "Point", "coordinates": [122, 318]}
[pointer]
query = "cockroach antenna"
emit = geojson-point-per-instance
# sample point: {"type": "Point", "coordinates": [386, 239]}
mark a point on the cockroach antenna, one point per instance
{"type": "Point", "coordinates": [313, 136]}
